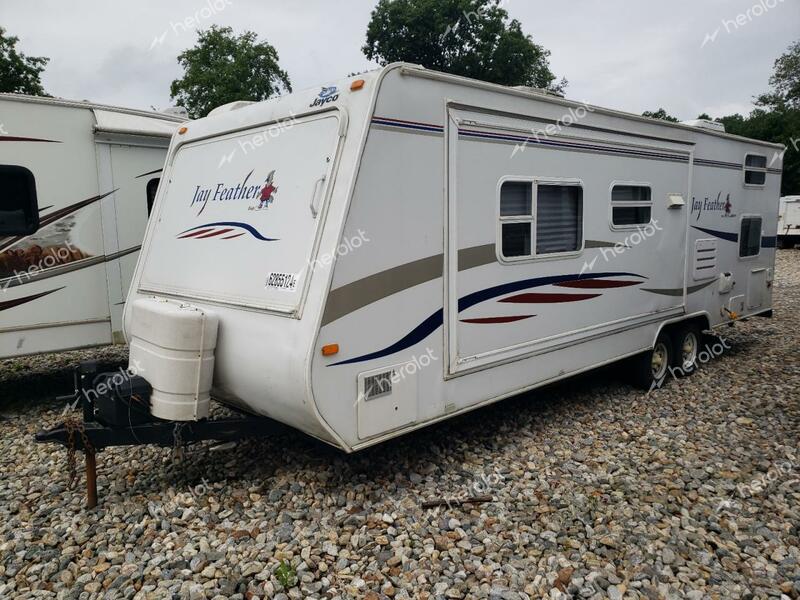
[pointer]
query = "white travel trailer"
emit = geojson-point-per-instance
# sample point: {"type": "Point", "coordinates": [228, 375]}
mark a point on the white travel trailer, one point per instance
{"type": "Point", "coordinates": [789, 222]}
{"type": "Point", "coordinates": [390, 250]}
{"type": "Point", "coordinates": [77, 181]}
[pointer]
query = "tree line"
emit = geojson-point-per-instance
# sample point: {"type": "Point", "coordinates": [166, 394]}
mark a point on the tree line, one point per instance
{"type": "Point", "coordinates": [473, 38]}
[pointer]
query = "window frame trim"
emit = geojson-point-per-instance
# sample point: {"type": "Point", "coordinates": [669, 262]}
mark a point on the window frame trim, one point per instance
{"type": "Point", "coordinates": [745, 169]}
{"type": "Point", "coordinates": [612, 204]}
{"type": "Point", "coordinates": [34, 199]}
{"type": "Point", "coordinates": [535, 182]}
{"type": "Point", "coordinates": [760, 236]}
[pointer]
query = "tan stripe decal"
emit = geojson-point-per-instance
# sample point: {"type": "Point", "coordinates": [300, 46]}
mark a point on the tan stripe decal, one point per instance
{"type": "Point", "coordinates": [600, 244]}
{"type": "Point", "coordinates": [352, 296]}
{"type": "Point", "coordinates": [679, 291]}
{"type": "Point", "coordinates": [477, 256]}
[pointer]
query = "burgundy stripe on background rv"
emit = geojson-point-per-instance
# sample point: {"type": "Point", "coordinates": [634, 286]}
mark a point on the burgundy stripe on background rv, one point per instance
{"type": "Point", "coordinates": [14, 138]}
{"type": "Point", "coordinates": [148, 173]}
{"type": "Point", "coordinates": [24, 300]}
{"type": "Point", "coordinates": [59, 214]}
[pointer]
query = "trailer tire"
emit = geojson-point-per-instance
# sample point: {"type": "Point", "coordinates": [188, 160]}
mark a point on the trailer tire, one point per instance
{"type": "Point", "coordinates": [649, 370]}
{"type": "Point", "coordinates": [687, 340]}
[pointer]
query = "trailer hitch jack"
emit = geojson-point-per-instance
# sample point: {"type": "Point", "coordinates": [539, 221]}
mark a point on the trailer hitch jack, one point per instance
{"type": "Point", "coordinates": [91, 479]}
{"type": "Point", "coordinates": [119, 416]}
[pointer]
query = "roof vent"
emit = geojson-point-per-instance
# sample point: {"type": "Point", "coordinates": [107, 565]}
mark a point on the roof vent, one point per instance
{"type": "Point", "coordinates": [706, 124]}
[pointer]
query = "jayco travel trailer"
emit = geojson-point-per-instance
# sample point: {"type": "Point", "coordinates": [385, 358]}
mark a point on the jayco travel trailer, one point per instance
{"type": "Point", "coordinates": [367, 258]}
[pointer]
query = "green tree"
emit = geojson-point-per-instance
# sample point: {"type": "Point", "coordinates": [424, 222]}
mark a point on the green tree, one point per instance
{"type": "Point", "coordinates": [781, 126]}
{"type": "Point", "coordinates": [473, 38]}
{"type": "Point", "coordinates": [785, 81]}
{"type": "Point", "coordinates": [704, 117]}
{"type": "Point", "coordinates": [19, 74]}
{"type": "Point", "coordinates": [223, 67]}
{"type": "Point", "coordinates": [777, 118]}
{"type": "Point", "coordinates": [660, 114]}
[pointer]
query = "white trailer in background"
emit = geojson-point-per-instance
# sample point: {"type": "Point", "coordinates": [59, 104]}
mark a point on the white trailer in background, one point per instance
{"type": "Point", "coordinates": [789, 222]}
{"type": "Point", "coordinates": [77, 181]}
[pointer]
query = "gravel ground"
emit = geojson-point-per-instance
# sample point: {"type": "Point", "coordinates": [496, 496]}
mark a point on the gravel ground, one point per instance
{"type": "Point", "coordinates": [597, 490]}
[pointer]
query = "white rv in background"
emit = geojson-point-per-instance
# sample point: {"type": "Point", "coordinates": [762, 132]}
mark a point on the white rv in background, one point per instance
{"type": "Point", "coordinates": [387, 251]}
{"type": "Point", "coordinates": [76, 183]}
{"type": "Point", "coordinates": [789, 222]}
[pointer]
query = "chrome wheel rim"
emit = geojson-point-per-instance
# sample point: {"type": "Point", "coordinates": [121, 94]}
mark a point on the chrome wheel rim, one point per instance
{"type": "Point", "coordinates": [689, 350]}
{"type": "Point", "coordinates": [659, 361]}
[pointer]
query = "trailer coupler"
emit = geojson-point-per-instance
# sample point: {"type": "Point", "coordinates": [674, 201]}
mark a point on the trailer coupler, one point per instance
{"type": "Point", "coordinates": [116, 413]}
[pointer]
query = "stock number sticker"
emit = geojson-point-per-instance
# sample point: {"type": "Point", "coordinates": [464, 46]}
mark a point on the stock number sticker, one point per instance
{"type": "Point", "coordinates": [286, 282]}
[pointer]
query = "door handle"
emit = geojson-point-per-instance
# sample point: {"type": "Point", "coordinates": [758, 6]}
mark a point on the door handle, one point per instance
{"type": "Point", "coordinates": [317, 187]}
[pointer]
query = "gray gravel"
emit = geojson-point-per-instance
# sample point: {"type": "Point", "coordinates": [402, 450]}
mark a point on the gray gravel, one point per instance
{"type": "Point", "coordinates": [691, 491]}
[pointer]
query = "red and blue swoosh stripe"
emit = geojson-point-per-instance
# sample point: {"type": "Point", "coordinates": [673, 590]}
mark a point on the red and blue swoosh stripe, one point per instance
{"type": "Point", "coordinates": [436, 320]}
{"type": "Point", "coordinates": [224, 230]}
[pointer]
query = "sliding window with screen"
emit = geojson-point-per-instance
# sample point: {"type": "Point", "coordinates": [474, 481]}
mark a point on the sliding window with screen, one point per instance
{"type": "Point", "coordinates": [540, 219]}
{"type": "Point", "coordinates": [631, 205]}
{"type": "Point", "coordinates": [755, 170]}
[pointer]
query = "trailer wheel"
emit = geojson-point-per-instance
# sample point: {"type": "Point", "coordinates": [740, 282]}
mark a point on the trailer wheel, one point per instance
{"type": "Point", "coordinates": [649, 369]}
{"type": "Point", "coordinates": [687, 339]}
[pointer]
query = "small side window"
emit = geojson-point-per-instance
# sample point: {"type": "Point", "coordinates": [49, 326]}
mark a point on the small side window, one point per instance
{"type": "Point", "coordinates": [755, 169]}
{"type": "Point", "coordinates": [516, 218]}
{"type": "Point", "coordinates": [19, 209]}
{"type": "Point", "coordinates": [631, 205]}
{"type": "Point", "coordinates": [540, 218]}
{"type": "Point", "coordinates": [152, 190]}
{"type": "Point", "coordinates": [750, 237]}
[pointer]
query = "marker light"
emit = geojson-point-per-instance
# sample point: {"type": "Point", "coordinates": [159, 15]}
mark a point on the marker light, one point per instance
{"type": "Point", "coordinates": [357, 85]}
{"type": "Point", "coordinates": [330, 349]}
{"type": "Point", "coordinates": [183, 130]}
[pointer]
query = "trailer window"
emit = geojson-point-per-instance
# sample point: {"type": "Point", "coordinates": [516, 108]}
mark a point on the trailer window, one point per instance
{"type": "Point", "coordinates": [540, 218]}
{"type": "Point", "coordinates": [755, 169]}
{"type": "Point", "coordinates": [152, 188]}
{"type": "Point", "coordinates": [19, 210]}
{"type": "Point", "coordinates": [631, 205]}
{"type": "Point", "coordinates": [559, 218]}
{"type": "Point", "coordinates": [750, 237]}
{"type": "Point", "coordinates": [516, 218]}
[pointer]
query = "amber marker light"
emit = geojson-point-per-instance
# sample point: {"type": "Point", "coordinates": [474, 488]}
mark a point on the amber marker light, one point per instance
{"type": "Point", "coordinates": [183, 130]}
{"type": "Point", "coordinates": [357, 85]}
{"type": "Point", "coordinates": [330, 349]}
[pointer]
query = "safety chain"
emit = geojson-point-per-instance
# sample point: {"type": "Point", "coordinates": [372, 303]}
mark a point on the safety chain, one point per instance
{"type": "Point", "coordinates": [177, 446]}
{"type": "Point", "coordinates": [72, 426]}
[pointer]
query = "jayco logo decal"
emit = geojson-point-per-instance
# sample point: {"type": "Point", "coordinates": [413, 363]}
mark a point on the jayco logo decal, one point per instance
{"type": "Point", "coordinates": [328, 94]}
{"type": "Point", "coordinates": [244, 190]}
{"type": "Point", "coordinates": [714, 205]}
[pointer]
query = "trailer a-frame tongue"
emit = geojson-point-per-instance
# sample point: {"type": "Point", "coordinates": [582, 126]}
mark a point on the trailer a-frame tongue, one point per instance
{"type": "Point", "coordinates": [115, 411]}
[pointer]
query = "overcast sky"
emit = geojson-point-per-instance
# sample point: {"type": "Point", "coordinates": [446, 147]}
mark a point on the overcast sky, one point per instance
{"type": "Point", "coordinates": [628, 55]}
